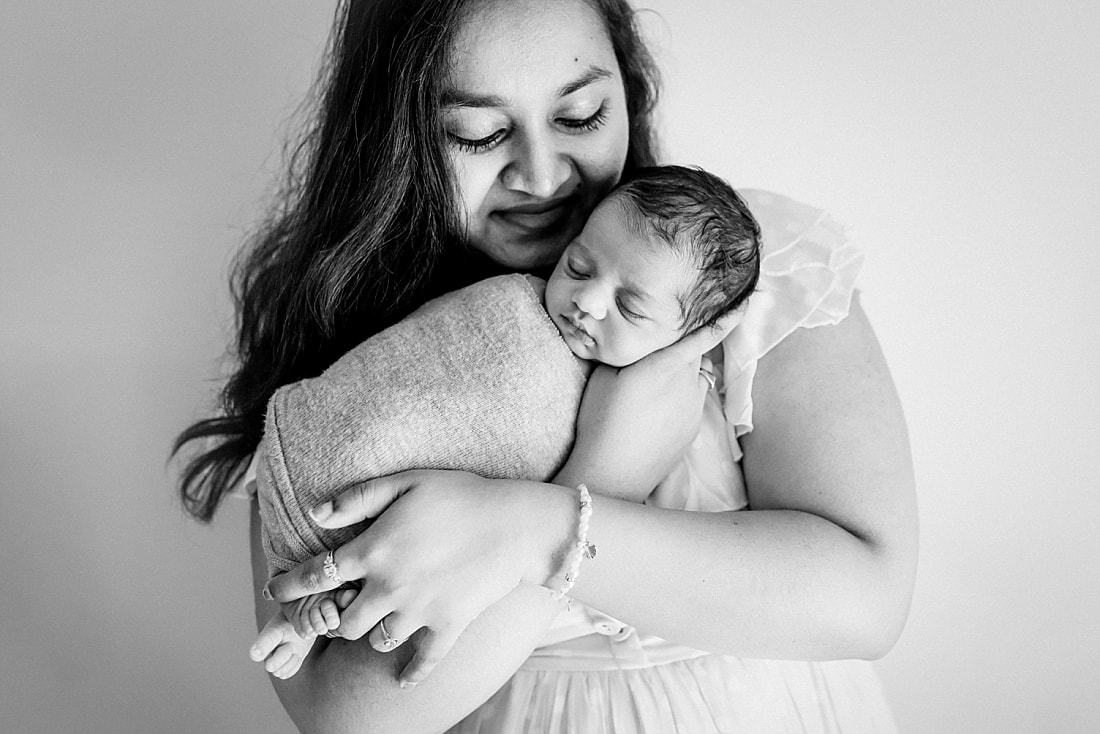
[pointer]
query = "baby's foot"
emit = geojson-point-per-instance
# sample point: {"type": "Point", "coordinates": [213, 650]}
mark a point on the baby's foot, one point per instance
{"type": "Point", "coordinates": [315, 614]}
{"type": "Point", "coordinates": [280, 648]}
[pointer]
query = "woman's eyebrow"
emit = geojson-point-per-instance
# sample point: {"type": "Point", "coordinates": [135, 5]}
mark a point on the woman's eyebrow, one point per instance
{"type": "Point", "coordinates": [458, 98]}
{"type": "Point", "coordinates": [591, 75]}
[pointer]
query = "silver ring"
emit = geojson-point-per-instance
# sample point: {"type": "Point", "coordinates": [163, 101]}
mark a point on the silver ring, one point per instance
{"type": "Point", "coordinates": [708, 375]}
{"type": "Point", "coordinates": [331, 572]}
{"type": "Point", "coordinates": [388, 640]}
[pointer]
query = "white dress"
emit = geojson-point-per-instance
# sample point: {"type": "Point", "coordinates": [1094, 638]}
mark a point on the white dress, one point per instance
{"type": "Point", "coordinates": [591, 673]}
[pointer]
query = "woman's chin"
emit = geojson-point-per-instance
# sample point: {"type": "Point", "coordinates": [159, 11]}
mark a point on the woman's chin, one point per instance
{"type": "Point", "coordinates": [533, 256]}
{"type": "Point", "coordinates": [525, 248]}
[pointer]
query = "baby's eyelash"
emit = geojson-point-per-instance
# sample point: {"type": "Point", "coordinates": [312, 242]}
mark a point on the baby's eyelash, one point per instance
{"type": "Point", "coordinates": [573, 272]}
{"type": "Point", "coordinates": [625, 311]}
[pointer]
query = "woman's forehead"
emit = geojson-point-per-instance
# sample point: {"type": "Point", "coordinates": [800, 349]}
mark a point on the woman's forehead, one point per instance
{"type": "Point", "coordinates": [508, 47]}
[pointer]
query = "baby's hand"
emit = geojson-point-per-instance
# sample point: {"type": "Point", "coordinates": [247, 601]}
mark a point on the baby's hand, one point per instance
{"type": "Point", "coordinates": [280, 648]}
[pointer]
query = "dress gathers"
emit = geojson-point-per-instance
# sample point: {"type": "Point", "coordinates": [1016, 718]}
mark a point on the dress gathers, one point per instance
{"type": "Point", "coordinates": [595, 675]}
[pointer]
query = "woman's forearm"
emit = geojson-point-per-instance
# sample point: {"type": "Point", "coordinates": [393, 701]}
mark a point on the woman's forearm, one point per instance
{"type": "Point", "coordinates": [346, 686]}
{"type": "Point", "coordinates": [824, 564]}
{"type": "Point", "coordinates": [771, 584]}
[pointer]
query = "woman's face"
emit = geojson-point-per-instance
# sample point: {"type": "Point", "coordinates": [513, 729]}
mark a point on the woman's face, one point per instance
{"type": "Point", "coordinates": [535, 116]}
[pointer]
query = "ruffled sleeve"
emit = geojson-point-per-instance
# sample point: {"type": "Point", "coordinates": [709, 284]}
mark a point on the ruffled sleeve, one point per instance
{"type": "Point", "coordinates": [807, 277]}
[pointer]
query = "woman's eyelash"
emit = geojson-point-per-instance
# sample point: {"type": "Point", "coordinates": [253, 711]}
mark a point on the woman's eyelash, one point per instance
{"type": "Point", "coordinates": [479, 145]}
{"type": "Point", "coordinates": [589, 123]}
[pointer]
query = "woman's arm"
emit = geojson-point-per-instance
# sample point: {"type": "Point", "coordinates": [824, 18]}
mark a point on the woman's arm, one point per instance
{"type": "Point", "coordinates": [351, 686]}
{"type": "Point", "coordinates": [824, 564]}
{"type": "Point", "coordinates": [822, 568]}
{"type": "Point", "coordinates": [346, 686]}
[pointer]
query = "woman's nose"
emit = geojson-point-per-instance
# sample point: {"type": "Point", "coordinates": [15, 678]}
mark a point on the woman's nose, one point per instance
{"type": "Point", "coordinates": [539, 169]}
{"type": "Point", "coordinates": [588, 300]}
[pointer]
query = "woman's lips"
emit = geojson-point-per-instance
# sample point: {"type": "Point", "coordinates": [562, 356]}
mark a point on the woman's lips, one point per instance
{"type": "Point", "coordinates": [540, 218]}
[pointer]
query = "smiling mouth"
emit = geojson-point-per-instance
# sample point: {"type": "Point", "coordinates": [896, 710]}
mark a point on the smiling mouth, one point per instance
{"type": "Point", "coordinates": [542, 218]}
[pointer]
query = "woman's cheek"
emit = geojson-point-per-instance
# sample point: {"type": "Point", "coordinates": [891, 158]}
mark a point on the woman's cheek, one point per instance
{"type": "Point", "coordinates": [475, 177]}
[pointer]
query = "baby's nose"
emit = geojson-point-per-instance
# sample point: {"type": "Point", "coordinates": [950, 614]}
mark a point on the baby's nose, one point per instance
{"type": "Point", "coordinates": [590, 304]}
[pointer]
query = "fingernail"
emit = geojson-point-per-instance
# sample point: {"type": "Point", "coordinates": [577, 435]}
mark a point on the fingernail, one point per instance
{"type": "Point", "coordinates": [255, 653]}
{"type": "Point", "coordinates": [267, 594]}
{"type": "Point", "coordinates": [407, 684]}
{"type": "Point", "coordinates": [320, 512]}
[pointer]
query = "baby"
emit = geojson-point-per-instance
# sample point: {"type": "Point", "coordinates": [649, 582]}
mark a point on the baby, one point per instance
{"type": "Point", "coordinates": [669, 250]}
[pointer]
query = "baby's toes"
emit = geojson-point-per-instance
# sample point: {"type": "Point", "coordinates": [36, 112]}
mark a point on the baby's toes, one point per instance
{"type": "Point", "coordinates": [317, 619]}
{"type": "Point", "coordinates": [272, 635]}
{"type": "Point", "coordinates": [290, 667]}
{"type": "Point", "coordinates": [276, 660]}
{"type": "Point", "coordinates": [330, 614]}
{"type": "Point", "coordinates": [344, 597]}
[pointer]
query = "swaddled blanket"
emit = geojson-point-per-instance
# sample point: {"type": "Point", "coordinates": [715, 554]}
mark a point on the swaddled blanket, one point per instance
{"type": "Point", "coordinates": [476, 380]}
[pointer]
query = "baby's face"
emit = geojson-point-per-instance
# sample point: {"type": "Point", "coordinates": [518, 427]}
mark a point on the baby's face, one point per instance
{"type": "Point", "coordinates": [613, 298]}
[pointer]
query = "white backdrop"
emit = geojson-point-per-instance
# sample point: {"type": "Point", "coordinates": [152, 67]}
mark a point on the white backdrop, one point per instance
{"type": "Point", "coordinates": [138, 141]}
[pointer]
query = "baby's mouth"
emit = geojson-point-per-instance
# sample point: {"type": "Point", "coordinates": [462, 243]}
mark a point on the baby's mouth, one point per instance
{"type": "Point", "coordinates": [579, 332]}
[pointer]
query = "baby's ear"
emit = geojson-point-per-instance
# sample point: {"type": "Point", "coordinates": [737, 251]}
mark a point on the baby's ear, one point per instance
{"type": "Point", "coordinates": [731, 320]}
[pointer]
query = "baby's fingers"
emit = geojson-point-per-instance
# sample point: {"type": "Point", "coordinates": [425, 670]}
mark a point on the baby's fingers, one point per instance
{"type": "Point", "coordinates": [434, 646]}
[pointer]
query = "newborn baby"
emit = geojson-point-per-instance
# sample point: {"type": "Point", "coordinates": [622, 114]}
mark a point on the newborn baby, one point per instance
{"type": "Point", "coordinates": [669, 250]}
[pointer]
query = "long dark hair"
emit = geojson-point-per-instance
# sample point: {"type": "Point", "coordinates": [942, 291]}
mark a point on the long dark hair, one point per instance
{"type": "Point", "coordinates": [364, 228]}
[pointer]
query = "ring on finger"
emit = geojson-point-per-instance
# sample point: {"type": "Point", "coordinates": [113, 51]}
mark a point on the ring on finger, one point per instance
{"type": "Point", "coordinates": [332, 573]}
{"type": "Point", "coordinates": [388, 640]}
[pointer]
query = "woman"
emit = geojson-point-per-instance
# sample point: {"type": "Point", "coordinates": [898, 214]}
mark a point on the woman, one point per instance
{"type": "Point", "coordinates": [457, 139]}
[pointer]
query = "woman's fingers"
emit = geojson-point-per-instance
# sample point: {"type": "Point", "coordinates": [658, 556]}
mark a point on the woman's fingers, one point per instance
{"type": "Point", "coordinates": [313, 576]}
{"type": "Point", "coordinates": [363, 614]}
{"type": "Point", "coordinates": [433, 647]}
{"type": "Point", "coordinates": [361, 501]}
{"type": "Point", "coordinates": [391, 632]}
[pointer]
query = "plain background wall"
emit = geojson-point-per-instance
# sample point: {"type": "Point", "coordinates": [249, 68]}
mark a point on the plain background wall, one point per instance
{"type": "Point", "coordinates": [138, 140]}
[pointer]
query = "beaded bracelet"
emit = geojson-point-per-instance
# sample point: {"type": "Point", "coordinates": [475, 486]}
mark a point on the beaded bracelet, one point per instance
{"type": "Point", "coordinates": [582, 548]}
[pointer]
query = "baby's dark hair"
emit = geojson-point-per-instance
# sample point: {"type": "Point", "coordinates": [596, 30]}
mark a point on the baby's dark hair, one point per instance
{"type": "Point", "coordinates": [700, 216]}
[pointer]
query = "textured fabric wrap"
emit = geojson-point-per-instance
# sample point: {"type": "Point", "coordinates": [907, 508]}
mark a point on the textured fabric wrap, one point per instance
{"type": "Point", "coordinates": [476, 380]}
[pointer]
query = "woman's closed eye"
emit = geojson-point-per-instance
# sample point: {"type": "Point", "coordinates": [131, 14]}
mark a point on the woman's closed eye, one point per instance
{"type": "Point", "coordinates": [495, 138]}
{"type": "Point", "coordinates": [479, 144]}
{"type": "Point", "coordinates": [585, 124]}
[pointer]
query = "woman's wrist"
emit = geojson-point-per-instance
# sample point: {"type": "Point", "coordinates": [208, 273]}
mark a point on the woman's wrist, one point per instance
{"type": "Point", "coordinates": [551, 528]}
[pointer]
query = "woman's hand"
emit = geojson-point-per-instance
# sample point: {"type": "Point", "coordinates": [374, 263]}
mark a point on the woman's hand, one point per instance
{"type": "Point", "coordinates": [448, 545]}
{"type": "Point", "coordinates": [635, 422]}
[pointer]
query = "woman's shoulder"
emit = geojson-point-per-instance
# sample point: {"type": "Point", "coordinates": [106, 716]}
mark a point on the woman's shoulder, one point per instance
{"type": "Point", "coordinates": [807, 279]}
